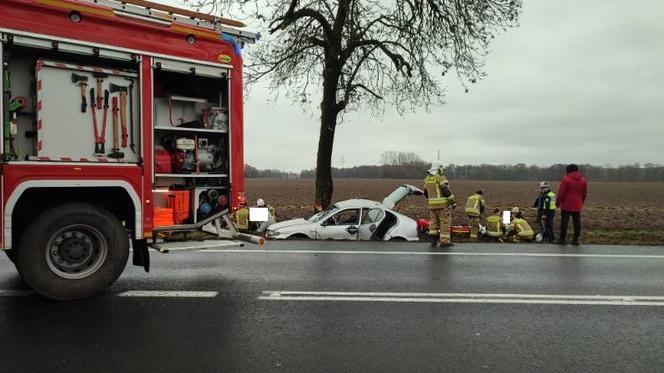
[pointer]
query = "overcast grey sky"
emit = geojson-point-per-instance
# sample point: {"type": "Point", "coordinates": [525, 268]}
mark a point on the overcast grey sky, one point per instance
{"type": "Point", "coordinates": [578, 81]}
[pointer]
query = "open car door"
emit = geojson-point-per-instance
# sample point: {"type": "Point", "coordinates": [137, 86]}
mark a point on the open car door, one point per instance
{"type": "Point", "coordinates": [400, 194]}
{"type": "Point", "coordinates": [371, 219]}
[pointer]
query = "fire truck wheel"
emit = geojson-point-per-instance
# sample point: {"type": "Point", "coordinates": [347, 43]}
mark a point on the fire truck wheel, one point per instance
{"type": "Point", "coordinates": [73, 251]}
{"type": "Point", "coordinates": [11, 254]}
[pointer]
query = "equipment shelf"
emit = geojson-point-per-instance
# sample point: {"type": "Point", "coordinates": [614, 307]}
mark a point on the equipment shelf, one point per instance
{"type": "Point", "coordinates": [192, 175]}
{"type": "Point", "coordinates": [186, 129]}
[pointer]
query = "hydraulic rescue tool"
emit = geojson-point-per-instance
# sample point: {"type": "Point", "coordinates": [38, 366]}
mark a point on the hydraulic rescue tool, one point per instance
{"type": "Point", "coordinates": [82, 82]}
{"type": "Point", "coordinates": [99, 144]}
{"type": "Point", "coordinates": [102, 137]}
{"type": "Point", "coordinates": [115, 151]}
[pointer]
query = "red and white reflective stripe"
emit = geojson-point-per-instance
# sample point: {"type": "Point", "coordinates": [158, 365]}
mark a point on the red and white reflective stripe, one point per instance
{"type": "Point", "coordinates": [70, 159]}
{"type": "Point", "coordinates": [92, 69]}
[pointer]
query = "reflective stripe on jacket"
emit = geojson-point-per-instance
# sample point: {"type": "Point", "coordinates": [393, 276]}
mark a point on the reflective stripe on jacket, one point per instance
{"type": "Point", "coordinates": [474, 205]}
{"type": "Point", "coordinates": [494, 226]}
{"type": "Point", "coordinates": [522, 228]}
{"type": "Point", "coordinates": [438, 190]}
{"type": "Point", "coordinates": [242, 218]}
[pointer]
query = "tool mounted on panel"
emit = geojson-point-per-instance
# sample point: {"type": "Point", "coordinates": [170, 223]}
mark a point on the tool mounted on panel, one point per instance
{"type": "Point", "coordinates": [99, 144]}
{"type": "Point", "coordinates": [115, 151]}
{"type": "Point", "coordinates": [131, 115]}
{"type": "Point", "coordinates": [123, 109]}
{"type": "Point", "coordinates": [82, 82]}
{"type": "Point", "coordinates": [100, 80]}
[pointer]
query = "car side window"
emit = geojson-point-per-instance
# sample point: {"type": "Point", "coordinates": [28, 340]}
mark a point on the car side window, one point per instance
{"type": "Point", "coordinates": [345, 217]}
{"type": "Point", "coordinates": [370, 216]}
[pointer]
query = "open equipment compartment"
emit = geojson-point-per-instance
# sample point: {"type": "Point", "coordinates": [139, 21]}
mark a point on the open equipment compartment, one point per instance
{"type": "Point", "coordinates": [191, 142]}
{"type": "Point", "coordinates": [49, 121]}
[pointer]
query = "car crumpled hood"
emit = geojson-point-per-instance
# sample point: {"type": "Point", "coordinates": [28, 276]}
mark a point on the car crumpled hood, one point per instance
{"type": "Point", "coordinates": [288, 223]}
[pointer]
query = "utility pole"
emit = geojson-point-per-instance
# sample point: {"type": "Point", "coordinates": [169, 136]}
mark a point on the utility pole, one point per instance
{"type": "Point", "coordinates": [439, 154]}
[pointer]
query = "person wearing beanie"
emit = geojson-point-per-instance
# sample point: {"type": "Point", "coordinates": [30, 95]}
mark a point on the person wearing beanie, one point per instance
{"type": "Point", "coordinates": [546, 209]}
{"type": "Point", "coordinates": [571, 196]}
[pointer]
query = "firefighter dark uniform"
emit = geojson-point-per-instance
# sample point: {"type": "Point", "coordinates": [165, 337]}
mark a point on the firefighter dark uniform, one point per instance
{"type": "Point", "coordinates": [440, 202]}
{"type": "Point", "coordinates": [474, 209]}
{"type": "Point", "coordinates": [546, 208]}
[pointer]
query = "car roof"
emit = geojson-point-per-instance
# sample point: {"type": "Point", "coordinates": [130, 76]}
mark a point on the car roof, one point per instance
{"type": "Point", "coordinates": [357, 203]}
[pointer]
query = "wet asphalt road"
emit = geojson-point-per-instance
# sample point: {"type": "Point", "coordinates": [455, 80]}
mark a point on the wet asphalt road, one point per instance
{"type": "Point", "coordinates": [473, 308]}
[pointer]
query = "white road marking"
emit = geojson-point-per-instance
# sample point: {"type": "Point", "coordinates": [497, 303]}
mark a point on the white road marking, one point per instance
{"type": "Point", "coordinates": [167, 294]}
{"type": "Point", "coordinates": [432, 253]}
{"type": "Point", "coordinates": [571, 299]}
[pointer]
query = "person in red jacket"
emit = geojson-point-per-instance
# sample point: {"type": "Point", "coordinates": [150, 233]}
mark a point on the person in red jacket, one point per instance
{"type": "Point", "coordinates": [572, 193]}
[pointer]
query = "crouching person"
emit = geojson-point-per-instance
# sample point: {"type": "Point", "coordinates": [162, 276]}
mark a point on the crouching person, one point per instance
{"type": "Point", "coordinates": [494, 226]}
{"type": "Point", "coordinates": [520, 230]}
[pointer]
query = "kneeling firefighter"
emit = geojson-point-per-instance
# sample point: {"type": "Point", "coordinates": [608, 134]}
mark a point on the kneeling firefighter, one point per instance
{"type": "Point", "coordinates": [440, 202]}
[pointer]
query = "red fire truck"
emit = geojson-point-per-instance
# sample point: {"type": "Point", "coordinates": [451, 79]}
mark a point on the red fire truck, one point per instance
{"type": "Point", "coordinates": [122, 121]}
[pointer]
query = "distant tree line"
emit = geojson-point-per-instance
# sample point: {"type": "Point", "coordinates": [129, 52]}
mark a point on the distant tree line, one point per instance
{"type": "Point", "coordinates": [253, 172]}
{"type": "Point", "coordinates": [399, 165]}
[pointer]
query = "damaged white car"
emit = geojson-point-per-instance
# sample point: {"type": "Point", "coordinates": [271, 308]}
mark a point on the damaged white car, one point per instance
{"type": "Point", "coordinates": [354, 219]}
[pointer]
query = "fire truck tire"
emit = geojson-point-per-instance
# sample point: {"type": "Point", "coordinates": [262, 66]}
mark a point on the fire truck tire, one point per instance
{"type": "Point", "coordinates": [73, 251]}
{"type": "Point", "coordinates": [11, 254]}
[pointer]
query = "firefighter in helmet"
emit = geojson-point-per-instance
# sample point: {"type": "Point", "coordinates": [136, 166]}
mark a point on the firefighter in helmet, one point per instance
{"type": "Point", "coordinates": [441, 202]}
{"type": "Point", "coordinates": [494, 226]}
{"type": "Point", "coordinates": [519, 229]}
{"type": "Point", "coordinates": [242, 216]}
{"type": "Point", "coordinates": [475, 209]}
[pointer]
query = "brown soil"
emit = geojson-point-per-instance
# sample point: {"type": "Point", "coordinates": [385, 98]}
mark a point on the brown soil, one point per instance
{"type": "Point", "coordinates": [615, 212]}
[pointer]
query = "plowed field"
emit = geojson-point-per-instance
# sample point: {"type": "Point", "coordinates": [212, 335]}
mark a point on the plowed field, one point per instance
{"type": "Point", "coordinates": [615, 212]}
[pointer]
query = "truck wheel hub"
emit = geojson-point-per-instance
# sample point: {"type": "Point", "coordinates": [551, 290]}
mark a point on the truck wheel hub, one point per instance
{"type": "Point", "coordinates": [76, 251]}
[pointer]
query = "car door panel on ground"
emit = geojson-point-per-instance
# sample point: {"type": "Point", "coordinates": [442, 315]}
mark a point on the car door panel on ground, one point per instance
{"type": "Point", "coordinates": [341, 226]}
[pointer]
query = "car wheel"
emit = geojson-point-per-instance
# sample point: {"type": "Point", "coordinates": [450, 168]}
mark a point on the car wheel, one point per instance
{"type": "Point", "coordinates": [398, 239]}
{"type": "Point", "coordinates": [73, 251]}
{"type": "Point", "coordinates": [539, 237]}
{"type": "Point", "coordinates": [298, 237]}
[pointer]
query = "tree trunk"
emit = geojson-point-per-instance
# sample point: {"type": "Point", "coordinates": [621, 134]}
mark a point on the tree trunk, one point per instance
{"type": "Point", "coordinates": [328, 122]}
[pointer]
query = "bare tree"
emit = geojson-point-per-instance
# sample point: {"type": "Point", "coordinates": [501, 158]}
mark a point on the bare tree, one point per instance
{"type": "Point", "coordinates": [357, 54]}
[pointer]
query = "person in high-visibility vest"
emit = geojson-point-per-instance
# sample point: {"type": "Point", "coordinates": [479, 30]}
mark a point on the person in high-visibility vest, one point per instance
{"type": "Point", "coordinates": [520, 230]}
{"type": "Point", "coordinates": [546, 209]}
{"type": "Point", "coordinates": [242, 217]}
{"type": "Point", "coordinates": [440, 201]}
{"type": "Point", "coordinates": [475, 209]}
{"type": "Point", "coordinates": [494, 226]}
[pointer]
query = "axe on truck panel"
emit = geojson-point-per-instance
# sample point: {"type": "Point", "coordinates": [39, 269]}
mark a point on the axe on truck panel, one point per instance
{"type": "Point", "coordinates": [100, 79]}
{"type": "Point", "coordinates": [123, 109]}
{"type": "Point", "coordinates": [81, 81]}
{"type": "Point", "coordinates": [115, 151]}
